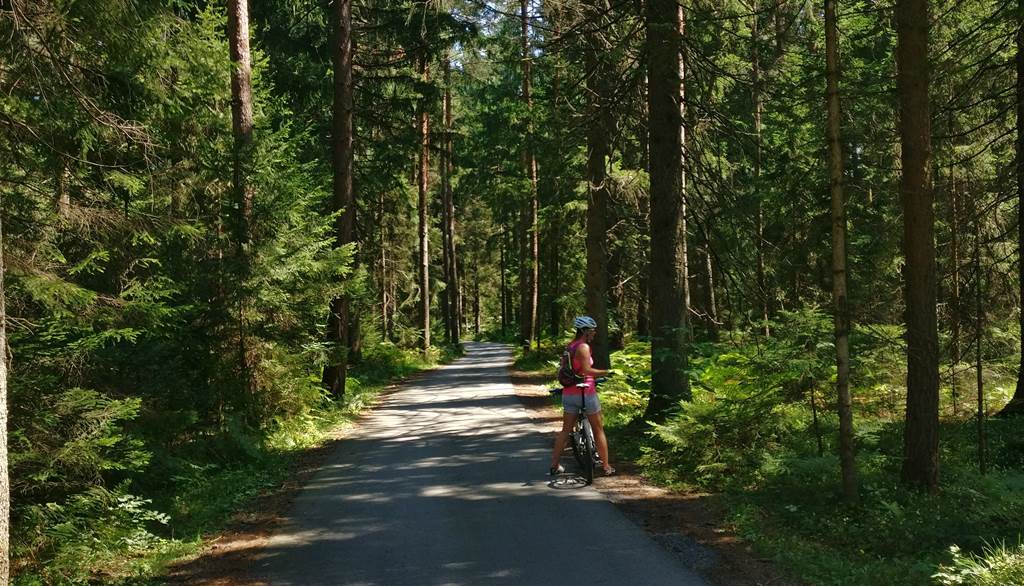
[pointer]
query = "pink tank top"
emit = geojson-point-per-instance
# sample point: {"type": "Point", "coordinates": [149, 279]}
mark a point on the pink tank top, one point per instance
{"type": "Point", "coordinates": [577, 365]}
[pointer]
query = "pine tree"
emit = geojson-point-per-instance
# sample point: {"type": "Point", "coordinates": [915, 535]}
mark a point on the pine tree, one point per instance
{"type": "Point", "coordinates": [839, 290]}
{"type": "Point", "coordinates": [340, 318]}
{"type": "Point", "coordinates": [669, 319]}
{"type": "Point", "coordinates": [921, 435]}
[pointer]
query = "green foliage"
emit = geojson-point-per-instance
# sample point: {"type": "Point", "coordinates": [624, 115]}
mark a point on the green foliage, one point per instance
{"type": "Point", "coordinates": [70, 440]}
{"type": "Point", "coordinates": [749, 432]}
{"type": "Point", "coordinates": [97, 532]}
{"type": "Point", "coordinates": [997, 565]}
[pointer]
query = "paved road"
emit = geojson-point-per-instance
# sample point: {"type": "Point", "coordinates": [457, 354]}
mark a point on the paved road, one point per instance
{"type": "Point", "coordinates": [444, 483]}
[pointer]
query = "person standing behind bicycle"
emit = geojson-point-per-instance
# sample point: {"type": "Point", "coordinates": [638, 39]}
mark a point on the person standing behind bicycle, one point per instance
{"type": "Point", "coordinates": [576, 400]}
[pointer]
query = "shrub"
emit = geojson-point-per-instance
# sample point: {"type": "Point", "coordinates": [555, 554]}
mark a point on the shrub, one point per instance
{"type": "Point", "coordinates": [94, 532]}
{"type": "Point", "coordinates": [998, 565]}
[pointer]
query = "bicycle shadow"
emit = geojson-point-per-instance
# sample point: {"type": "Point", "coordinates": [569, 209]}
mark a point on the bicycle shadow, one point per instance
{"type": "Point", "coordinates": [568, 482]}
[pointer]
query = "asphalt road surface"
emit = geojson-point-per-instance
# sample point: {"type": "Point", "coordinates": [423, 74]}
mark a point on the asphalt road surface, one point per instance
{"type": "Point", "coordinates": [445, 483]}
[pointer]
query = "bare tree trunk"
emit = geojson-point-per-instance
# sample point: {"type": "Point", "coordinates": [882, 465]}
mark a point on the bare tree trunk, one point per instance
{"type": "Point", "coordinates": [643, 321]}
{"type": "Point", "coordinates": [1016, 404]}
{"type": "Point", "coordinates": [385, 300]}
{"type": "Point", "coordinates": [5, 481]}
{"type": "Point", "coordinates": [241, 108]}
{"type": "Point", "coordinates": [955, 303]}
{"type": "Point", "coordinates": [555, 310]}
{"type": "Point", "coordinates": [599, 131]}
{"type": "Point", "coordinates": [669, 317]}
{"type": "Point", "coordinates": [424, 227]}
{"type": "Point", "coordinates": [530, 286]}
{"type": "Point", "coordinates": [978, 336]}
{"type": "Point", "coordinates": [242, 128]}
{"type": "Point", "coordinates": [712, 299]}
{"type": "Point", "coordinates": [455, 299]}
{"type": "Point", "coordinates": [847, 461]}
{"type": "Point", "coordinates": [504, 285]}
{"type": "Point", "coordinates": [755, 59]}
{"type": "Point", "coordinates": [476, 303]}
{"type": "Point", "coordinates": [684, 239]}
{"type": "Point", "coordinates": [643, 312]}
{"type": "Point", "coordinates": [556, 224]}
{"type": "Point", "coordinates": [921, 434]}
{"type": "Point", "coordinates": [339, 320]}
{"type": "Point", "coordinates": [447, 296]}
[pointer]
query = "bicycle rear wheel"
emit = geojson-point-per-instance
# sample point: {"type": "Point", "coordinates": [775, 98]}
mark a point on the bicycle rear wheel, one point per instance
{"type": "Point", "coordinates": [578, 444]}
{"type": "Point", "coordinates": [589, 452]}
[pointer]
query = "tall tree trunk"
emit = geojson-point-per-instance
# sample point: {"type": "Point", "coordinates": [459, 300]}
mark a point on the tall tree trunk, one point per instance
{"type": "Point", "coordinates": [447, 296]}
{"type": "Point", "coordinates": [532, 273]}
{"type": "Point", "coordinates": [5, 481]}
{"type": "Point", "coordinates": [979, 334]}
{"type": "Point", "coordinates": [476, 302]}
{"type": "Point", "coordinates": [424, 227]}
{"type": "Point", "coordinates": [242, 128]}
{"type": "Point", "coordinates": [555, 310]}
{"type": "Point", "coordinates": [599, 132]}
{"type": "Point", "coordinates": [241, 110]}
{"type": "Point", "coordinates": [1016, 404]}
{"type": "Point", "coordinates": [921, 434]}
{"type": "Point", "coordinates": [643, 318]}
{"type": "Point", "coordinates": [339, 320]}
{"type": "Point", "coordinates": [455, 299]}
{"type": "Point", "coordinates": [712, 299]}
{"type": "Point", "coordinates": [955, 302]}
{"type": "Point", "coordinates": [555, 315]}
{"type": "Point", "coordinates": [755, 59]}
{"type": "Point", "coordinates": [385, 297]}
{"type": "Point", "coordinates": [504, 285]}
{"type": "Point", "coordinates": [684, 239]}
{"type": "Point", "coordinates": [669, 316]}
{"type": "Point", "coordinates": [841, 308]}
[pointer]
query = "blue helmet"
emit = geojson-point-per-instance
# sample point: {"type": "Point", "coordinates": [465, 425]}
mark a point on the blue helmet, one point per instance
{"type": "Point", "coordinates": [584, 321]}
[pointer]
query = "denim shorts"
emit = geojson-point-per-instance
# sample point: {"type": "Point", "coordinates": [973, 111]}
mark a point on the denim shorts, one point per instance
{"type": "Point", "coordinates": [575, 403]}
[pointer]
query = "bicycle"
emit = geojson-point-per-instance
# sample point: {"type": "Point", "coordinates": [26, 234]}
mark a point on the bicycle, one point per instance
{"type": "Point", "coordinates": [581, 439]}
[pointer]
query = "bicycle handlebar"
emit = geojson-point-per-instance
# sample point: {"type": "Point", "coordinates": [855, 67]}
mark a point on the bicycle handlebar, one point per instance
{"type": "Point", "coordinates": [597, 381]}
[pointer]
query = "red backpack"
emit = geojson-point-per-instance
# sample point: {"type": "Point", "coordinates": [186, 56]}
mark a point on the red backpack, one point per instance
{"type": "Point", "coordinates": [567, 376]}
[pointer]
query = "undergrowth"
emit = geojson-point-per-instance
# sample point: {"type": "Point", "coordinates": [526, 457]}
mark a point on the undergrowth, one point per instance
{"type": "Point", "coordinates": [130, 533]}
{"type": "Point", "coordinates": [760, 430]}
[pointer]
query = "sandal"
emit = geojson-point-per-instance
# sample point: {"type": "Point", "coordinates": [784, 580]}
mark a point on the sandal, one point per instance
{"type": "Point", "coordinates": [609, 471]}
{"type": "Point", "coordinates": [556, 470]}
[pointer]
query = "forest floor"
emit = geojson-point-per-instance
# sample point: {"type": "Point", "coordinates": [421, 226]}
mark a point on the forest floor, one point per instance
{"type": "Point", "coordinates": [672, 518]}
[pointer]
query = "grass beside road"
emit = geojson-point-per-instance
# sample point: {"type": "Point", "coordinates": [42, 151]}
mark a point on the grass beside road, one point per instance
{"type": "Point", "coordinates": [184, 501]}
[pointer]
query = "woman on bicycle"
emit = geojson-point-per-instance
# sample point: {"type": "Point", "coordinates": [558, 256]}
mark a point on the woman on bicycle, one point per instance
{"type": "Point", "coordinates": [576, 400]}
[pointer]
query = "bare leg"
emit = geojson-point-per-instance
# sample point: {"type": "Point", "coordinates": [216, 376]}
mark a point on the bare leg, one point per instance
{"type": "Point", "coordinates": [568, 420]}
{"type": "Point", "coordinates": [597, 423]}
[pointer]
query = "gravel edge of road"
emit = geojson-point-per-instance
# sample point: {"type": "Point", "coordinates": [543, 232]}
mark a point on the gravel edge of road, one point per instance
{"type": "Point", "coordinates": [685, 524]}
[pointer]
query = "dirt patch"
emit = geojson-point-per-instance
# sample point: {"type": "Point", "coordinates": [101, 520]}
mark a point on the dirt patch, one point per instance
{"type": "Point", "coordinates": [690, 525]}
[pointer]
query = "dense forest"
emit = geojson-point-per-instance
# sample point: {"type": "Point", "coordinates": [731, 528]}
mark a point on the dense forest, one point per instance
{"type": "Point", "coordinates": [797, 224]}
